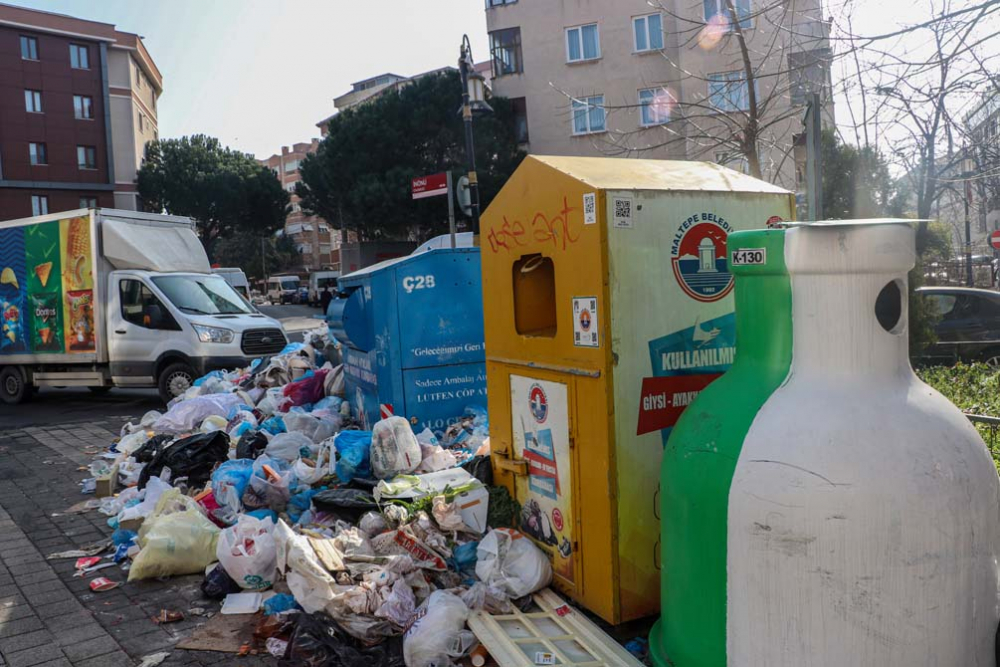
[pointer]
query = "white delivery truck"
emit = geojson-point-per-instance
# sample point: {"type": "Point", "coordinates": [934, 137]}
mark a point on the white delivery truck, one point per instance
{"type": "Point", "coordinates": [105, 298]}
{"type": "Point", "coordinates": [283, 289]}
{"type": "Point", "coordinates": [236, 279]}
{"type": "Point", "coordinates": [317, 281]}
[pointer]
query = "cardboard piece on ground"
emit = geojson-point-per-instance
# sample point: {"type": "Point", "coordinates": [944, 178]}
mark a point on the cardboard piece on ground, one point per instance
{"type": "Point", "coordinates": [223, 633]}
{"type": "Point", "coordinates": [107, 484]}
{"type": "Point", "coordinates": [328, 554]}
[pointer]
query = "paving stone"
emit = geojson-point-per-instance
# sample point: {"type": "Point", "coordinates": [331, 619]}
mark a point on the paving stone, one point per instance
{"type": "Point", "coordinates": [115, 659]}
{"type": "Point", "coordinates": [34, 656]}
{"type": "Point", "coordinates": [21, 626]}
{"type": "Point", "coordinates": [26, 640]}
{"type": "Point", "coordinates": [90, 648]}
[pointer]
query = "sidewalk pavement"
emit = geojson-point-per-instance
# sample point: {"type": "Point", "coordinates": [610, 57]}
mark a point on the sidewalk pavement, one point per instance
{"type": "Point", "coordinates": [50, 618]}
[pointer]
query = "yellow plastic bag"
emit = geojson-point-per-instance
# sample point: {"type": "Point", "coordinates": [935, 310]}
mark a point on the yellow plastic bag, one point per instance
{"type": "Point", "coordinates": [177, 538]}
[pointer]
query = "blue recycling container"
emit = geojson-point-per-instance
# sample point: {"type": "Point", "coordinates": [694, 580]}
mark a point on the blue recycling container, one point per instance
{"type": "Point", "coordinates": [412, 335]}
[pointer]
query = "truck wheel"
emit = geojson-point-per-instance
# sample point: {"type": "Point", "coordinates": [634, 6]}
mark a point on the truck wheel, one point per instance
{"type": "Point", "coordinates": [13, 388]}
{"type": "Point", "coordinates": [174, 380]}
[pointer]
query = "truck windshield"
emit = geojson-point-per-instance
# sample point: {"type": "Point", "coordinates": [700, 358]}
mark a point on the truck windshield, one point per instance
{"type": "Point", "coordinates": [202, 295]}
{"type": "Point", "coordinates": [289, 283]}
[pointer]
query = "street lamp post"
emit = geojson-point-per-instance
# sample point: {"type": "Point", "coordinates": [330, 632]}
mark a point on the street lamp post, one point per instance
{"type": "Point", "coordinates": [966, 174]}
{"type": "Point", "coordinates": [473, 100]}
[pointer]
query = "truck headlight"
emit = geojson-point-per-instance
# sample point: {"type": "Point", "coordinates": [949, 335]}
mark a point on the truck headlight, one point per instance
{"type": "Point", "coordinates": [213, 334]}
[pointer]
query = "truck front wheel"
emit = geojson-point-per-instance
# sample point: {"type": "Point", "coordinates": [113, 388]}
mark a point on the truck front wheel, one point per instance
{"type": "Point", "coordinates": [13, 387]}
{"type": "Point", "coordinates": [174, 380]}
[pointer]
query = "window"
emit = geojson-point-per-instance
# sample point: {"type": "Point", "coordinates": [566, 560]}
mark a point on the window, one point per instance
{"type": "Point", "coordinates": [83, 107]}
{"type": "Point", "coordinates": [38, 154]}
{"type": "Point", "coordinates": [79, 56]}
{"type": "Point", "coordinates": [717, 11]}
{"type": "Point", "coordinates": [520, 119]}
{"type": "Point", "coordinates": [39, 205]}
{"type": "Point", "coordinates": [29, 48]}
{"type": "Point", "coordinates": [497, 3]}
{"type": "Point", "coordinates": [142, 124]}
{"type": "Point", "coordinates": [138, 77]}
{"type": "Point", "coordinates": [88, 202]}
{"type": "Point", "coordinates": [291, 165]}
{"type": "Point", "coordinates": [33, 101]}
{"type": "Point", "coordinates": [582, 43]}
{"type": "Point", "coordinates": [290, 187]}
{"type": "Point", "coordinates": [588, 115]}
{"type": "Point", "coordinates": [296, 208]}
{"type": "Point", "coordinates": [648, 32]}
{"type": "Point", "coordinates": [86, 157]}
{"type": "Point", "coordinates": [505, 51]}
{"type": "Point", "coordinates": [728, 91]}
{"type": "Point", "coordinates": [808, 73]}
{"type": "Point", "coordinates": [142, 308]}
{"type": "Point", "coordinates": [655, 106]}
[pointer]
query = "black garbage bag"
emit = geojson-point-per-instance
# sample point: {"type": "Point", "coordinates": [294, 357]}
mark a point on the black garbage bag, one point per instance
{"type": "Point", "coordinates": [193, 457]}
{"type": "Point", "coordinates": [218, 584]}
{"type": "Point", "coordinates": [481, 468]}
{"type": "Point", "coordinates": [317, 641]}
{"type": "Point", "coordinates": [152, 447]}
{"type": "Point", "coordinates": [348, 504]}
{"type": "Point", "coordinates": [251, 445]}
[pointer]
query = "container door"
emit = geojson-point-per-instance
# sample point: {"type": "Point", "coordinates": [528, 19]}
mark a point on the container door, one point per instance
{"type": "Point", "coordinates": [542, 438]}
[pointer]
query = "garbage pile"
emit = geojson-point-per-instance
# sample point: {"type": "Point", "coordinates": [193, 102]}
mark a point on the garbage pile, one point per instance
{"type": "Point", "coordinates": [360, 547]}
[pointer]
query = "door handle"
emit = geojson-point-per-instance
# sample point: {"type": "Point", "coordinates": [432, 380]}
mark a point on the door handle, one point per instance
{"type": "Point", "coordinates": [119, 331]}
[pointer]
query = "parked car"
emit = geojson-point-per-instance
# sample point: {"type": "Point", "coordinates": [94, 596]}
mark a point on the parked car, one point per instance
{"type": "Point", "coordinates": [969, 325]}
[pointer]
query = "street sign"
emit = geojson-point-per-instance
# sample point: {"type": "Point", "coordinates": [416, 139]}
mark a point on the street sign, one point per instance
{"type": "Point", "coordinates": [430, 186]}
{"type": "Point", "coordinates": [995, 239]}
{"type": "Point", "coordinates": [464, 196]}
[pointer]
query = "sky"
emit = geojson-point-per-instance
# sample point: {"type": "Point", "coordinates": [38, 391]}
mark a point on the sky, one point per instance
{"type": "Point", "coordinates": [259, 74]}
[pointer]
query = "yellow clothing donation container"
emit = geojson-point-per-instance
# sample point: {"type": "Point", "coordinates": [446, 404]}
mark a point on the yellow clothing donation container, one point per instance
{"type": "Point", "coordinates": [607, 308]}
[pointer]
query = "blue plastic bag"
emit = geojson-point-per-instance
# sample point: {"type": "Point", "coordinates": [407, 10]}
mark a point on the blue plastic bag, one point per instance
{"type": "Point", "coordinates": [463, 557]}
{"type": "Point", "coordinates": [292, 347]}
{"type": "Point", "coordinates": [300, 502]}
{"type": "Point", "coordinates": [353, 452]}
{"type": "Point", "coordinates": [279, 603]}
{"type": "Point", "coordinates": [331, 403]}
{"type": "Point", "coordinates": [231, 474]}
{"type": "Point", "coordinates": [122, 536]}
{"type": "Point", "coordinates": [274, 425]}
{"type": "Point", "coordinates": [213, 374]}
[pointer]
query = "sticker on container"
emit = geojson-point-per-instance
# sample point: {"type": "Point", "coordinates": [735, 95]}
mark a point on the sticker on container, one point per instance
{"type": "Point", "coordinates": [585, 322]}
{"type": "Point", "coordinates": [545, 658]}
{"type": "Point", "coordinates": [590, 208]}
{"type": "Point", "coordinates": [623, 212]}
{"type": "Point", "coordinates": [775, 222]}
{"type": "Point", "coordinates": [749, 256]}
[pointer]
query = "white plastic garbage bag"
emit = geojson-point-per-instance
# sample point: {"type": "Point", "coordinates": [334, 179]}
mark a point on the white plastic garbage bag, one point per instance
{"type": "Point", "coordinates": [248, 553]}
{"type": "Point", "coordinates": [395, 449]}
{"type": "Point", "coordinates": [187, 415]}
{"type": "Point", "coordinates": [133, 441]}
{"type": "Point", "coordinates": [289, 446]}
{"type": "Point", "coordinates": [438, 635]}
{"type": "Point", "coordinates": [508, 560]}
{"type": "Point", "coordinates": [308, 580]}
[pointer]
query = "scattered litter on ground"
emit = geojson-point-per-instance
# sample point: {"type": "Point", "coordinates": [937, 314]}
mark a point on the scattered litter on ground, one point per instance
{"type": "Point", "coordinates": [154, 659]}
{"type": "Point", "coordinates": [324, 543]}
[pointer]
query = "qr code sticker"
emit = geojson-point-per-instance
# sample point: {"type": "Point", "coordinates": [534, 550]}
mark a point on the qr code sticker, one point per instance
{"type": "Point", "coordinates": [590, 208]}
{"type": "Point", "coordinates": [623, 212]}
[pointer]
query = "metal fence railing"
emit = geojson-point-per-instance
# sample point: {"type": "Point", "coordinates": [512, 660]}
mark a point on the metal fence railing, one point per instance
{"type": "Point", "coordinates": [990, 425]}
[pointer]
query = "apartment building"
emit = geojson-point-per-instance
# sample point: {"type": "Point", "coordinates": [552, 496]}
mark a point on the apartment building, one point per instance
{"type": "Point", "coordinates": [311, 234]}
{"type": "Point", "coordinates": [631, 78]}
{"type": "Point", "coordinates": [983, 127]}
{"type": "Point", "coordinates": [77, 106]}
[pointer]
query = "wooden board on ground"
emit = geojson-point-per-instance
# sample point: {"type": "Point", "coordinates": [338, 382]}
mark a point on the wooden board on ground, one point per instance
{"type": "Point", "coordinates": [222, 633]}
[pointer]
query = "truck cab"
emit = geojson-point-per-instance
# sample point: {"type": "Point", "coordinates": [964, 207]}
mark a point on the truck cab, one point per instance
{"type": "Point", "coordinates": [283, 289]}
{"type": "Point", "coordinates": [171, 328]}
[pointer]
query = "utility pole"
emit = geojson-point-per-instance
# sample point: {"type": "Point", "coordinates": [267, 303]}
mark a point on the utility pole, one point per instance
{"type": "Point", "coordinates": [814, 162]}
{"type": "Point", "coordinates": [968, 232]}
{"type": "Point", "coordinates": [464, 66]}
{"type": "Point", "coordinates": [451, 207]}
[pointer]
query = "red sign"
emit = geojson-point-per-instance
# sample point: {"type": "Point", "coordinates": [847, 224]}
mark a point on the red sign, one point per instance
{"type": "Point", "coordinates": [775, 221]}
{"type": "Point", "coordinates": [664, 399]}
{"type": "Point", "coordinates": [995, 239]}
{"type": "Point", "coordinates": [430, 186]}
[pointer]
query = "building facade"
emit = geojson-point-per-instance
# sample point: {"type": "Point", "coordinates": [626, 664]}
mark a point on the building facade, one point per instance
{"type": "Point", "coordinates": [77, 106]}
{"type": "Point", "coordinates": [311, 234]}
{"type": "Point", "coordinates": [623, 78]}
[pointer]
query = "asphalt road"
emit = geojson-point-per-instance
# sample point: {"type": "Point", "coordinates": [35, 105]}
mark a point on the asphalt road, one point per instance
{"type": "Point", "coordinates": [52, 406]}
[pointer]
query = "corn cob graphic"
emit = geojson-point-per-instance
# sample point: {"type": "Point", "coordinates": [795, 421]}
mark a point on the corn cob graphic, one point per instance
{"type": "Point", "coordinates": [77, 247]}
